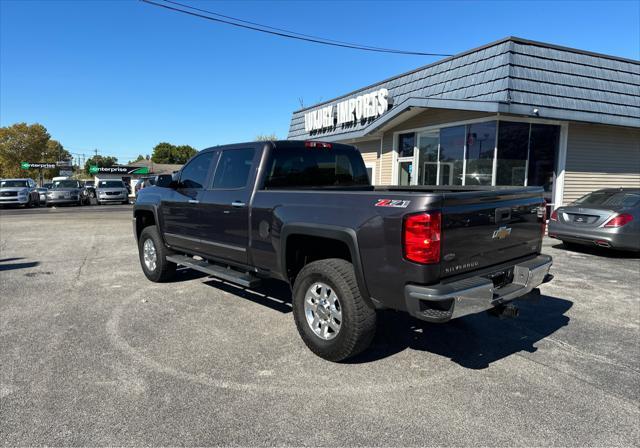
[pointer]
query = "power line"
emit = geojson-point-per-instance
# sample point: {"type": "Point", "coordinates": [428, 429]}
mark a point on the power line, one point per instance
{"type": "Point", "coordinates": [281, 32]}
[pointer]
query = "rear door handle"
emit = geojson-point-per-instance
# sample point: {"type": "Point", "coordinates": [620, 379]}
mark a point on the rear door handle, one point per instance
{"type": "Point", "coordinates": [193, 201]}
{"type": "Point", "coordinates": [237, 204]}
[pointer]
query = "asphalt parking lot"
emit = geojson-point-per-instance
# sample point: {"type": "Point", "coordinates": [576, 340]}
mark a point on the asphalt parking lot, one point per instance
{"type": "Point", "coordinates": [94, 354]}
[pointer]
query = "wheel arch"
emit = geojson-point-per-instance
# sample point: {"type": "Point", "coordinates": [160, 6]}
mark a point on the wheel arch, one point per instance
{"type": "Point", "coordinates": [341, 235]}
{"type": "Point", "coordinates": [144, 216]}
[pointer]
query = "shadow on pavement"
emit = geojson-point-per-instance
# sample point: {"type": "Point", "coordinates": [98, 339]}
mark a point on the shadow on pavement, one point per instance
{"type": "Point", "coordinates": [474, 341]}
{"type": "Point", "coordinates": [597, 251]}
{"type": "Point", "coordinates": [12, 266]}
{"type": "Point", "coordinates": [271, 293]}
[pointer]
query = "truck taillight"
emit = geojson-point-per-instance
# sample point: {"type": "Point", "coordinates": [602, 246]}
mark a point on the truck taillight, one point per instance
{"type": "Point", "coordinates": [554, 215]}
{"type": "Point", "coordinates": [421, 235]}
{"type": "Point", "coordinates": [543, 226]}
{"type": "Point", "coordinates": [318, 145]}
{"type": "Point", "coordinates": [619, 221]}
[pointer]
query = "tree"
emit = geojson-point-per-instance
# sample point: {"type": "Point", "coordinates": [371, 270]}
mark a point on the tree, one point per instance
{"type": "Point", "coordinates": [98, 160]}
{"type": "Point", "coordinates": [140, 157]}
{"type": "Point", "coordinates": [266, 137]}
{"type": "Point", "coordinates": [22, 142]}
{"type": "Point", "coordinates": [167, 153]}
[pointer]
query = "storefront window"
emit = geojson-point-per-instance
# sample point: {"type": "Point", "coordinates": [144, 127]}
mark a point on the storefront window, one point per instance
{"type": "Point", "coordinates": [481, 142]}
{"type": "Point", "coordinates": [542, 155]}
{"type": "Point", "coordinates": [513, 147]}
{"type": "Point", "coordinates": [406, 143]}
{"type": "Point", "coordinates": [451, 155]}
{"type": "Point", "coordinates": [428, 158]}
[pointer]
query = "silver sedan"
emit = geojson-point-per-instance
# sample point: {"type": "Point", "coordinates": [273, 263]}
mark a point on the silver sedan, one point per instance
{"type": "Point", "coordinates": [606, 218]}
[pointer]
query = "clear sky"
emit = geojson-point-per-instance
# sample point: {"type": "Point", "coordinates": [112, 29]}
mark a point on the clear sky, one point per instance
{"type": "Point", "coordinates": [122, 76]}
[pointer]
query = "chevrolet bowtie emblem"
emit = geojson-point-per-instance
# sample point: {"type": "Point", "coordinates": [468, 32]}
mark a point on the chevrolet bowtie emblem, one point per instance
{"type": "Point", "coordinates": [502, 233]}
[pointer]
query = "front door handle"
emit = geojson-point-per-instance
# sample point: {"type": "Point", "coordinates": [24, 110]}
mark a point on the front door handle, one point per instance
{"type": "Point", "coordinates": [237, 204]}
{"type": "Point", "coordinates": [193, 201]}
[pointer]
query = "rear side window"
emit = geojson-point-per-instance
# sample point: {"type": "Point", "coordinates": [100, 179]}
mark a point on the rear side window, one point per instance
{"type": "Point", "coordinates": [315, 167]}
{"type": "Point", "coordinates": [194, 175]}
{"type": "Point", "coordinates": [233, 168]}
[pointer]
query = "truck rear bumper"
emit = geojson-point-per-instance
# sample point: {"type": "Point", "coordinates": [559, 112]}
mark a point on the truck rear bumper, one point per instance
{"type": "Point", "coordinates": [446, 301]}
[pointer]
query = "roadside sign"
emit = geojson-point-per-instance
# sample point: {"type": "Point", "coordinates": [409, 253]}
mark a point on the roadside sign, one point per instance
{"type": "Point", "coordinates": [65, 173]}
{"type": "Point", "coordinates": [62, 163]}
{"type": "Point", "coordinates": [122, 169]}
{"type": "Point", "coordinates": [29, 165]}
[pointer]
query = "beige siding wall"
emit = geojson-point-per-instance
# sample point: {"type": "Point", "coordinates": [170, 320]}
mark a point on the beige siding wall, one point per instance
{"type": "Point", "coordinates": [370, 150]}
{"type": "Point", "coordinates": [431, 117]}
{"type": "Point", "coordinates": [600, 156]}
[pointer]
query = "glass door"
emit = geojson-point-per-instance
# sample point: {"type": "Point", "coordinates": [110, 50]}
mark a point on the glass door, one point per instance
{"type": "Point", "coordinates": [406, 159]}
{"type": "Point", "coordinates": [427, 157]}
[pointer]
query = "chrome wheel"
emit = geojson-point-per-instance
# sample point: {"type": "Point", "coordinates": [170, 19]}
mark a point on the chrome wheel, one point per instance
{"type": "Point", "coordinates": [323, 311]}
{"type": "Point", "coordinates": [149, 254]}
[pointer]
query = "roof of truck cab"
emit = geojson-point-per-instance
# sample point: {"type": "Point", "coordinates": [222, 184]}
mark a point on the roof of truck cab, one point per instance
{"type": "Point", "coordinates": [275, 143]}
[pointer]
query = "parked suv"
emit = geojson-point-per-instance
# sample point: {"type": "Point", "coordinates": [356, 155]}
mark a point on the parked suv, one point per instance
{"type": "Point", "coordinates": [112, 191]}
{"type": "Point", "coordinates": [305, 213]}
{"type": "Point", "coordinates": [19, 192]}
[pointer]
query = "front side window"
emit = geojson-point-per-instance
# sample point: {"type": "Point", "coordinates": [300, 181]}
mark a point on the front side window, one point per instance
{"type": "Point", "coordinates": [481, 143]}
{"type": "Point", "coordinates": [233, 168]}
{"type": "Point", "coordinates": [194, 174]}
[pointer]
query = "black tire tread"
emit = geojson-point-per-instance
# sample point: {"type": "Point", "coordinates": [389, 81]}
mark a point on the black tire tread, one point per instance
{"type": "Point", "coordinates": [165, 270]}
{"type": "Point", "coordinates": [362, 328]}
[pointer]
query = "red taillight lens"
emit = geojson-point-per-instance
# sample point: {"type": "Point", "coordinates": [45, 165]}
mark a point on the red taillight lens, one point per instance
{"type": "Point", "coordinates": [422, 237]}
{"type": "Point", "coordinates": [554, 215]}
{"type": "Point", "coordinates": [318, 145]}
{"type": "Point", "coordinates": [619, 221]}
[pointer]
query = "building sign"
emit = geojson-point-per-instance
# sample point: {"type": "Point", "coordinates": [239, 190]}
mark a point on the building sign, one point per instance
{"type": "Point", "coordinates": [122, 169]}
{"type": "Point", "coordinates": [30, 165]}
{"type": "Point", "coordinates": [347, 112]}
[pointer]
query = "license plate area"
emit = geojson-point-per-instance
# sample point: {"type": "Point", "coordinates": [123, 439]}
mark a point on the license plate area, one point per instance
{"type": "Point", "coordinates": [582, 219]}
{"type": "Point", "coordinates": [501, 278]}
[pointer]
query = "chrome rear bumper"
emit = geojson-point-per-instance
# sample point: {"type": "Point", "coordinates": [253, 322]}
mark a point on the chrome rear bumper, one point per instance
{"type": "Point", "coordinates": [446, 301]}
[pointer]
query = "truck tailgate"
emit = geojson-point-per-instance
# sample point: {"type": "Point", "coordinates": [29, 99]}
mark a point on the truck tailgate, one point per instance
{"type": "Point", "coordinates": [484, 228]}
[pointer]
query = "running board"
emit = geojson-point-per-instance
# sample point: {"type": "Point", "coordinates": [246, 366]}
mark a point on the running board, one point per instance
{"type": "Point", "coordinates": [240, 278]}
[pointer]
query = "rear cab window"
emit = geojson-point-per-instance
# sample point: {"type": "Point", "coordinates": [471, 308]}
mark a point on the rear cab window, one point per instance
{"type": "Point", "coordinates": [314, 167]}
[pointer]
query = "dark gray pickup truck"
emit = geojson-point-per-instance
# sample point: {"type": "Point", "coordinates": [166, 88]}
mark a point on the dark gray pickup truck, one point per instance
{"type": "Point", "coordinates": [305, 213]}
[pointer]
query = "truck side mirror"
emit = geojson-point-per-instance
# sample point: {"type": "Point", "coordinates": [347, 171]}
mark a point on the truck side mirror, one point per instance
{"type": "Point", "coordinates": [166, 181]}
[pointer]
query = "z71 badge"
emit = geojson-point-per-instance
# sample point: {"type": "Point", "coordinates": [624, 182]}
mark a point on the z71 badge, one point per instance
{"type": "Point", "coordinates": [392, 203]}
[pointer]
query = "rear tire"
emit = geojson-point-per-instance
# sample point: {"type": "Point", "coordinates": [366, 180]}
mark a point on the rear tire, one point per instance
{"type": "Point", "coordinates": [357, 319]}
{"type": "Point", "coordinates": [153, 253]}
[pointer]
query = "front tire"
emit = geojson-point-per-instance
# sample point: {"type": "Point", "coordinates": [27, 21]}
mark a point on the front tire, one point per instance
{"type": "Point", "coordinates": [332, 318]}
{"type": "Point", "coordinates": [153, 253]}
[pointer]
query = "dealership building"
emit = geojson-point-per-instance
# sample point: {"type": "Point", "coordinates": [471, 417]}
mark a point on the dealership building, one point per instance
{"type": "Point", "coordinates": [513, 112]}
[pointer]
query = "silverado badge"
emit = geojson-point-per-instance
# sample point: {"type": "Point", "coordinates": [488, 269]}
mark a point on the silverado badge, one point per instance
{"type": "Point", "coordinates": [502, 233]}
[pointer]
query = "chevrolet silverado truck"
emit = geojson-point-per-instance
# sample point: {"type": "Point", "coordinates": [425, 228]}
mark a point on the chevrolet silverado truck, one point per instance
{"type": "Point", "coordinates": [305, 212]}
